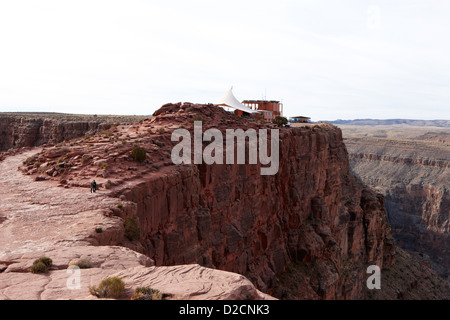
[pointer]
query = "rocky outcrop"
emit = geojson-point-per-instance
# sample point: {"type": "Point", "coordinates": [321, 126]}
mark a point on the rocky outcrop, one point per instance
{"type": "Point", "coordinates": [413, 176]}
{"type": "Point", "coordinates": [231, 218]}
{"type": "Point", "coordinates": [62, 281]}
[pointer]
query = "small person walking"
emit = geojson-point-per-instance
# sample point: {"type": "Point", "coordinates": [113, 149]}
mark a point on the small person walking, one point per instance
{"type": "Point", "coordinates": [93, 186]}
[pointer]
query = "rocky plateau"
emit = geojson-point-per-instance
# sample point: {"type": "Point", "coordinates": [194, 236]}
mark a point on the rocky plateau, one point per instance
{"type": "Point", "coordinates": [201, 231]}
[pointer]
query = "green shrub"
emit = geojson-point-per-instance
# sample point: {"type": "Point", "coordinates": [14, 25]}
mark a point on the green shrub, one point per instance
{"type": "Point", "coordinates": [138, 154]}
{"type": "Point", "coordinates": [65, 150]}
{"type": "Point", "coordinates": [132, 230]}
{"type": "Point", "coordinates": [84, 263]}
{"type": "Point", "coordinates": [84, 158]}
{"type": "Point", "coordinates": [280, 121]}
{"type": "Point", "coordinates": [41, 265]}
{"type": "Point", "coordinates": [108, 288]}
{"type": "Point", "coordinates": [99, 230]}
{"type": "Point", "coordinates": [120, 206]}
{"type": "Point", "coordinates": [47, 261]}
{"type": "Point", "coordinates": [146, 293]}
{"type": "Point", "coordinates": [196, 118]}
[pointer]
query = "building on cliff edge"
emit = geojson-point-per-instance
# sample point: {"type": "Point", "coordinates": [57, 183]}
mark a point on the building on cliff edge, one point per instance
{"type": "Point", "coordinates": [267, 109]}
{"type": "Point", "coordinates": [299, 119]}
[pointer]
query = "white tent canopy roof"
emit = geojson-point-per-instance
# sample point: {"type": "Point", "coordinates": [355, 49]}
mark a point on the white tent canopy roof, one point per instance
{"type": "Point", "coordinates": [229, 100]}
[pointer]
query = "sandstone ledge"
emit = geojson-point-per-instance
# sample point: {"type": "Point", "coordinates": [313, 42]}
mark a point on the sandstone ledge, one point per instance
{"type": "Point", "coordinates": [175, 282]}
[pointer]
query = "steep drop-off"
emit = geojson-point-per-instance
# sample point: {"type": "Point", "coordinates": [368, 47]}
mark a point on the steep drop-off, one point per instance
{"type": "Point", "coordinates": [413, 176]}
{"type": "Point", "coordinates": [232, 218]}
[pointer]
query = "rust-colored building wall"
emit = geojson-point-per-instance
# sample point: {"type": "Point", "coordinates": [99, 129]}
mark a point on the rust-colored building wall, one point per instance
{"type": "Point", "coordinates": [270, 106]}
{"type": "Point", "coordinates": [269, 109]}
{"type": "Point", "coordinates": [268, 115]}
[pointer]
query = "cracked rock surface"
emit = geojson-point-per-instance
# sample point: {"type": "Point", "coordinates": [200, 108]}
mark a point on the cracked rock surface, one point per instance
{"type": "Point", "coordinates": [39, 218]}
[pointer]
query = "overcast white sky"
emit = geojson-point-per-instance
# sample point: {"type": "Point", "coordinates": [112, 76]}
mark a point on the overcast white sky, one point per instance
{"type": "Point", "coordinates": [325, 59]}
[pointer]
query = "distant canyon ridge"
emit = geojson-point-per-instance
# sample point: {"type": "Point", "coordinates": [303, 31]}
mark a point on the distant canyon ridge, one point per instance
{"type": "Point", "coordinates": [394, 122]}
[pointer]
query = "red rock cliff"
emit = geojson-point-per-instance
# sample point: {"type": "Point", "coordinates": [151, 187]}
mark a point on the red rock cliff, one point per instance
{"type": "Point", "coordinates": [313, 211]}
{"type": "Point", "coordinates": [16, 132]}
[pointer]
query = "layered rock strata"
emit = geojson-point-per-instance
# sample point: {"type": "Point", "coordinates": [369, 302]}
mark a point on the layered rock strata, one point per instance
{"type": "Point", "coordinates": [232, 218]}
{"type": "Point", "coordinates": [22, 132]}
{"type": "Point", "coordinates": [413, 176]}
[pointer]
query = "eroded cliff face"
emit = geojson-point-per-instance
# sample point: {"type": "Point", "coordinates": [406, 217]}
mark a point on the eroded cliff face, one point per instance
{"type": "Point", "coordinates": [16, 132]}
{"type": "Point", "coordinates": [313, 211]}
{"type": "Point", "coordinates": [413, 176]}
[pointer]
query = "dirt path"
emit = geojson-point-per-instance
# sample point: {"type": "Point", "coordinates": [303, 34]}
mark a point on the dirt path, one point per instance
{"type": "Point", "coordinates": [36, 215]}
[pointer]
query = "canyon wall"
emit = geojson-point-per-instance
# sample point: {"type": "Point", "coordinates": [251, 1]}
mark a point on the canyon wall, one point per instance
{"type": "Point", "coordinates": [413, 176]}
{"type": "Point", "coordinates": [23, 129]}
{"type": "Point", "coordinates": [230, 217]}
{"type": "Point", "coordinates": [17, 132]}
